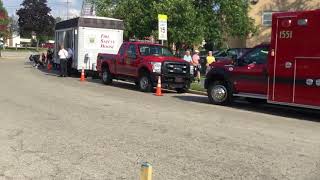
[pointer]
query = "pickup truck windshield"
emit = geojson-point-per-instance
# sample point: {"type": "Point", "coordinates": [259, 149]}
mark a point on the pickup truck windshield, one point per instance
{"type": "Point", "coordinates": [151, 50]}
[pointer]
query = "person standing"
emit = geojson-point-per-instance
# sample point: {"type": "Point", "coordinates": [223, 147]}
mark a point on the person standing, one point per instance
{"type": "Point", "coordinates": [49, 56]}
{"type": "Point", "coordinates": [196, 63]}
{"type": "Point", "coordinates": [63, 55]}
{"type": "Point", "coordinates": [43, 58]}
{"type": "Point", "coordinates": [210, 59]}
{"type": "Point", "coordinates": [70, 59]}
{"type": "Point", "coordinates": [187, 57]}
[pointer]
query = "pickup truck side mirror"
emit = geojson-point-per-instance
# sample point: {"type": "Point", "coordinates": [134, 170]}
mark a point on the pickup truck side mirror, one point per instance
{"type": "Point", "coordinates": [234, 57]}
{"type": "Point", "coordinates": [237, 62]}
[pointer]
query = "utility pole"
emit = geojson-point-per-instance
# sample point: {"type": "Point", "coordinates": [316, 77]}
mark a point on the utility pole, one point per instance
{"type": "Point", "coordinates": [68, 2]}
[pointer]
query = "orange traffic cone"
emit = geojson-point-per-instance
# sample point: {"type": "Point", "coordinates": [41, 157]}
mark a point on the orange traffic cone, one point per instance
{"type": "Point", "coordinates": [159, 92]}
{"type": "Point", "coordinates": [83, 78]}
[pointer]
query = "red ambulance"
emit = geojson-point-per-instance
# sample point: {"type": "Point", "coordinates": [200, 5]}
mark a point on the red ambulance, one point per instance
{"type": "Point", "coordinates": [286, 72]}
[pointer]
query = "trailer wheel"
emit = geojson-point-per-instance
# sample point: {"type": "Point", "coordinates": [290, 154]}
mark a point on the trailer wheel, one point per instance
{"type": "Point", "coordinates": [145, 83]}
{"type": "Point", "coordinates": [106, 76]}
{"type": "Point", "coordinates": [219, 93]}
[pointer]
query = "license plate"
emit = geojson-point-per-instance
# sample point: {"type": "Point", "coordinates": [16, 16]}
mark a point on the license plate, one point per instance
{"type": "Point", "coordinates": [179, 79]}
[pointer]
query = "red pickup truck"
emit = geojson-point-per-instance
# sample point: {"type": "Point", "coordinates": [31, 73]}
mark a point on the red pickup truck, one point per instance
{"type": "Point", "coordinates": [143, 63]}
{"type": "Point", "coordinates": [284, 72]}
{"type": "Point", "coordinates": [245, 77]}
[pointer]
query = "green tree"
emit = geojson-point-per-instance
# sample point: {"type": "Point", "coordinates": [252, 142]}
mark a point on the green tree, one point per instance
{"type": "Point", "coordinates": [139, 17]}
{"type": "Point", "coordinates": [58, 19]}
{"type": "Point", "coordinates": [185, 24]}
{"type": "Point", "coordinates": [4, 21]}
{"type": "Point", "coordinates": [225, 18]}
{"type": "Point", "coordinates": [189, 21]}
{"type": "Point", "coordinates": [34, 16]}
{"type": "Point", "coordinates": [105, 7]}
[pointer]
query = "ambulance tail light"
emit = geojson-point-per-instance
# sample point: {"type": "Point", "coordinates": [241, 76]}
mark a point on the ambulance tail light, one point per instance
{"type": "Point", "coordinates": [303, 22]}
{"type": "Point", "coordinates": [273, 53]}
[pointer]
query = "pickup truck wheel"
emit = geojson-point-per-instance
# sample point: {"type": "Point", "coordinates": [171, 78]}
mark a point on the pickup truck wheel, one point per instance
{"type": "Point", "coordinates": [219, 93]}
{"type": "Point", "coordinates": [181, 90]}
{"type": "Point", "coordinates": [106, 77]}
{"type": "Point", "coordinates": [145, 84]}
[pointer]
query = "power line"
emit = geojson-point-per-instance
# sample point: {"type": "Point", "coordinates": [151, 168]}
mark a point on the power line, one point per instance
{"type": "Point", "coordinates": [68, 2]}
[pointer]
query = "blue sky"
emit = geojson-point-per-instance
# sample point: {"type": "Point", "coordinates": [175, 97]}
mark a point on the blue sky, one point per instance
{"type": "Point", "coordinates": [59, 7]}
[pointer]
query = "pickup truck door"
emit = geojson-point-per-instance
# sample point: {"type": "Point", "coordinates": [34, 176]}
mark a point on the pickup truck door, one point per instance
{"type": "Point", "coordinates": [120, 62]}
{"type": "Point", "coordinates": [131, 61]}
{"type": "Point", "coordinates": [250, 74]}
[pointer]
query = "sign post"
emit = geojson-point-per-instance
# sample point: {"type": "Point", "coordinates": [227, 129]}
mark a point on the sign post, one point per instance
{"type": "Point", "coordinates": [163, 27]}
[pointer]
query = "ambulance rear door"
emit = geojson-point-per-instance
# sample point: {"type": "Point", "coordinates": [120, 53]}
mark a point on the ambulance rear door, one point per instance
{"type": "Point", "coordinates": [294, 66]}
{"type": "Point", "coordinates": [281, 65]}
{"type": "Point", "coordinates": [306, 90]}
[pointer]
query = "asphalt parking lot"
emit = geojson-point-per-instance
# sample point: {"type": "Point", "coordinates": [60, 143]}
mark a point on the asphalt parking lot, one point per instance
{"type": "Point", "coordinates": [60, 128]}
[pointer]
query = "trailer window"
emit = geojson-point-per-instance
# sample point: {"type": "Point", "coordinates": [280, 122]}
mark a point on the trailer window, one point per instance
{"type": "Point", "coordinates": [68, 39]}
{"type": "Point", "coordinates": [122, 50]}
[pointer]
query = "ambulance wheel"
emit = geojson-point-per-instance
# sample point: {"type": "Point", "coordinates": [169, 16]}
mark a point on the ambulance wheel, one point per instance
{"type": "Point", "coordinates": [106, 76]}
{"type": "Point", "coordinates": [219, 93]}
{"type": "Point", "coordinates": [145, 84]}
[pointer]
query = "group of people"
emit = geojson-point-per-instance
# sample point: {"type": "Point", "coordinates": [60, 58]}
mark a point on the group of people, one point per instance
{"type": "Point", "coordinates": [65, 57]}
{"type": "Point", "coordinates": [195, 61]}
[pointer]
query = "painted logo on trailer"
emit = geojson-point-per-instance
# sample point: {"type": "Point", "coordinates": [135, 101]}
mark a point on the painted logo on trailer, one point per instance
{"type": "Point", "coordinates": [107, 42]}
{"type": "Point", "coordinates": [92, 40]}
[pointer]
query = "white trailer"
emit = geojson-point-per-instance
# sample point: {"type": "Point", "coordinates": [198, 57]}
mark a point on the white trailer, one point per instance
{"type": "Point", "coordinates": [88, 36]}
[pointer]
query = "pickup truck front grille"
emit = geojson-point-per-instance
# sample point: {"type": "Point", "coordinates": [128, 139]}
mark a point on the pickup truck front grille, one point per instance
{"type": "Point", "coordinates": [176, 68]}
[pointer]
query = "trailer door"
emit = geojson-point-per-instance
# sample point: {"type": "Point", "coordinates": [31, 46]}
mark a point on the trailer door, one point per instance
{"type": "Point", "coordinates": [282, 68]}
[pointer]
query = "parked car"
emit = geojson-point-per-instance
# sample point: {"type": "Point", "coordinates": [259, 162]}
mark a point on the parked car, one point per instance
{"type": "Point", "coordinates": [48, 45]}
{"type": "Point", "coordinates": [143, 63]}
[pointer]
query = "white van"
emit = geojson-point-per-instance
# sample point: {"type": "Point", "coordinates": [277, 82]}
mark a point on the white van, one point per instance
{"type": "Point", "coordinates": [87, 36]}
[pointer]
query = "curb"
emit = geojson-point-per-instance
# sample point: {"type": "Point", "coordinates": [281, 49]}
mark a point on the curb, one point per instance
{"type": "Point", "coordinates": [197, 92]}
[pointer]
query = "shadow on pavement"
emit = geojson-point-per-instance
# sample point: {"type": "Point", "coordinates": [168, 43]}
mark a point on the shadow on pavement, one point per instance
{"type": "Point", "coordinates": [192, 98]}
{"type": "Point", "coordinates": [277, 110]}
{"type": "Point", "coordinates": [118, 84]}
{"type": "Point", "coordinates": [49, 73]}
{"type": "Point", "coordinates": [124, 85]}
{"type": "Point", "coordinates": [41, 68]}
